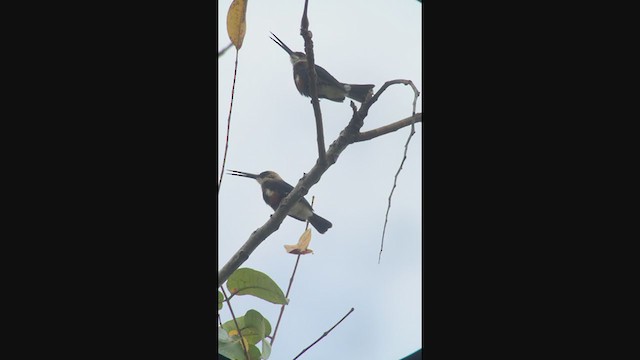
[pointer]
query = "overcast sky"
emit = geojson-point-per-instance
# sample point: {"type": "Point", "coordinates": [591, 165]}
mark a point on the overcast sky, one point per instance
{"type": "Point", "coordinates": [273, 128]}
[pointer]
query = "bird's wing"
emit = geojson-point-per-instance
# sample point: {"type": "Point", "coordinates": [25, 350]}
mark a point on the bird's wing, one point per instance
{"type": "Point", "coordinates": [281, 187]}
{"type": "Point", "coordinates": [284, 188]}
{"type": "Point", "coordinates": [324, 75]}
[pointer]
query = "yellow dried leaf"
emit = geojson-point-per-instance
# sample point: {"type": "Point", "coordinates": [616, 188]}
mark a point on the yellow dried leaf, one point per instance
{"type": "Point", "coordinates": [305, 239]}
{"type": "Point", "coordinates": [236, 22]}
{"type": "Point", "coordinates": [302, 246]}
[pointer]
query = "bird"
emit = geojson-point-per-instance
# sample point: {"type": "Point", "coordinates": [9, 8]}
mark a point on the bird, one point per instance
{"type": "Point", "coordinates": [328, 87]}
{"type": "Point", "coordinates": [274, 189]}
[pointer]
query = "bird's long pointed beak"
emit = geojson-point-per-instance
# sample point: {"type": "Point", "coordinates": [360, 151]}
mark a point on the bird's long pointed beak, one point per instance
{"type": "Point", "coordinates": [281, 44]}
{"type": "Point", "coordinates": [242, 173]}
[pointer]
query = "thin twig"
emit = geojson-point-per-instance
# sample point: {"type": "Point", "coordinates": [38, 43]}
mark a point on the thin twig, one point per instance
{"type": "Point", "coordinates": [357, 120]}
{"type": "Point", "coordinates": [374, 98]}
{"type": "Point", "coordinates": [325, 334]}
{"type": "Point", "coordinates": [233, 316]}
{"type": "Point", "coordinates": [395, 178]}
{"type": "Point", "coordinates": [230, 297]}
{"type": "Point", "coordinates": [273, 338]}
{"type": "Point", "coordinates": [226, 145]}
{"type": "Point", "coordinates": [313, 199]}
{"type": "Point", "coordinates": [368, 135]}
{"type": "Point", "coordinates": [221, 52]}
{"type": "Point", "coordinates": [313, 88]}
{"type": "Point", "coordinates": [286, 296]}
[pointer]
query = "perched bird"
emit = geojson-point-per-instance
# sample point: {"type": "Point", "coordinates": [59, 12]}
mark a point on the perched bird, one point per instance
{"type": "Point", "coordinates": [274, 189]}
{"type": "Point", "coordinates": [328, 86]}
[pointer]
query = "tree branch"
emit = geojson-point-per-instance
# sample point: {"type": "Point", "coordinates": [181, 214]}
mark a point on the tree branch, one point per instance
{"type": "Point", "coordinates": [395, 180]}
{"type": "Point", "coordinates": [347, 136]}
{"type": "Point", "coordinates": [275, 331]}
{"type": "Point", "coordinates": [368, 135]}
{"type": "Point", "coordinates": [226, 144]}
{"type": "Point", "coordinates": [416, 93]}
{"type": "Point", "coordinates": [313, 85]}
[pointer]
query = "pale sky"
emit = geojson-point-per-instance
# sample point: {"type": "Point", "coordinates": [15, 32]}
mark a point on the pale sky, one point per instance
{"type": "Point", "coordinates": [273, 128]}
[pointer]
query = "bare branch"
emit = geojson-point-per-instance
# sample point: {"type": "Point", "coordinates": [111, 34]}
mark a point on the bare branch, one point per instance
{"type": "Point", "coordinates": [416, 93]}
{"type": "Point", "coordinates": [353, 106]}
{"type": "Point", "coordinates": [273, 224]}
{"type": "Point", "coordinates": [273, 338]}
{"type": "Point", "coordinates": [347, 136]}
{"type": "Point", "coordinates": [384, 87]}
{"type": "Point", "coordinates": [358, 117]}
{"type": "Point", "coordinates": [368, 135]}
{"type": "Point", "coordinates": [395, 180]}
{"type": "Point", "coordinates": [313, 86]}
{"type": "Point", "coordinates": [226, 144]}
{"type": "Point", "coordinates": [325, 334]}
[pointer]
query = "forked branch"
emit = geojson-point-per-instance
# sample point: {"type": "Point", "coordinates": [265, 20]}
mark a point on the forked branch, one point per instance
{"type": "Point", "coordinates": [347, 136]}
{"type": "Point", "coordinates": [313, 87]}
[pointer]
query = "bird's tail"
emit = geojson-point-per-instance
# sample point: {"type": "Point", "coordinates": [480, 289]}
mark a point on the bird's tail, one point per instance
{"type": "Point", "coordinates": [321, 224]}
{"type": "Point", "coordinates": [359, 92]}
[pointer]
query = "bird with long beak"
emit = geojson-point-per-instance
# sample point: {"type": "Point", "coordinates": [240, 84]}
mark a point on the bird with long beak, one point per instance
{"type": "Point", "coordinates": [274, 189]}
{"type": "Point", "coordinates": [328, 87]}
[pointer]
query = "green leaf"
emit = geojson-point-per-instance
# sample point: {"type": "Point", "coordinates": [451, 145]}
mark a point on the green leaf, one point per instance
{"type": "Point", "coordinates": [253, 326]}
{"type": "Point", "coordinates": [223, 336]}
{"type": "Point", "coordinates": [247, 281]}
{"type": "Point", "coordinates": [220, 300]}
{"type": "Point", "coordinates": [230, 347]}
{"type": "Point", "coordinates": [255, 320]}
{"type": "Point", "coordinates": [266, 349]}
{"type": "Point", "coordinates": [254, 353]}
